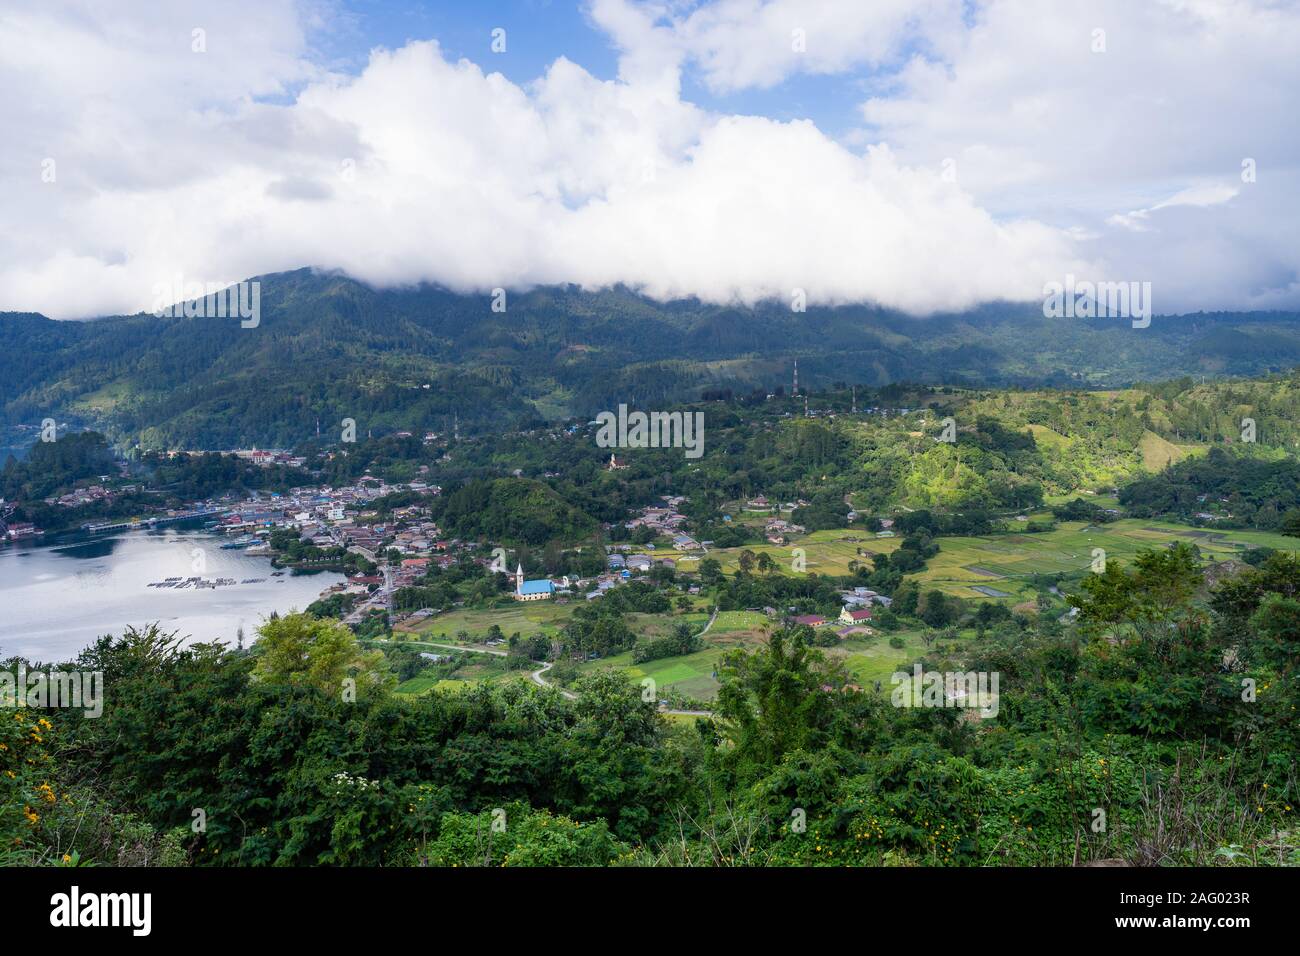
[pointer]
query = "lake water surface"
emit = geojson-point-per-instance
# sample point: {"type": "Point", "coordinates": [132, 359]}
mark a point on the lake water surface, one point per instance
{"type": "Point", "coordinates": [56, 598]}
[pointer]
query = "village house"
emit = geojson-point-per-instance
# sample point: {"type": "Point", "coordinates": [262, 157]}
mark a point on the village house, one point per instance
{"type": "Point", "coordinates": [860, 616]}
{"type": "Point", "coordinates": [812, 620]}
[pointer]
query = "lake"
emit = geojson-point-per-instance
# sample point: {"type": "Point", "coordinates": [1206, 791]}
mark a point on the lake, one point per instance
{"type": "Point", "coordinates": [58, 597]}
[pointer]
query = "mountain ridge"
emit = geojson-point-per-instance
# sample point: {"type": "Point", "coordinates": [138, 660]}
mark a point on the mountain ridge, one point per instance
{"type": "Point", "coordinates": [328, 347]}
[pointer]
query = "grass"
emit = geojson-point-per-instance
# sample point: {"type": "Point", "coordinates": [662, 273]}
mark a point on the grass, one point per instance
{"type": "Point", "coordinates": [480, 669]}
{"type": "Point", "coordinates": [1007, 562]}
{"type": "Point", "coordinates": [1158, 452]}
{"type": "Point", "coordinates": [691, 675]}
{"type": "Point", "coordinates": [106, 398]}
{"type": "Point", "coordinates": [735, 622]}
{"type": "Point", "coordinates": [867, 659]}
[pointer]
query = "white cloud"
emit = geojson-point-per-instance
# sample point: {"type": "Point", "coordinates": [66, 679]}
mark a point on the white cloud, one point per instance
{"type": "Point", "coordinates": [423, 169]}
{"type": "Point", "coordinates": [250, 159]}
{"type": "Point", "coordinates": [757, 43]}
{"type": "Point", "coordinates": [1210, 194]}
{"type": "Point", "coordinates": [1038, 124]}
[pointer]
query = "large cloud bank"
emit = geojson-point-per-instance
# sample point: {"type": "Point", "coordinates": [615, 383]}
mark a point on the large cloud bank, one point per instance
{"type": "Point", "coordinates": [998, 151]}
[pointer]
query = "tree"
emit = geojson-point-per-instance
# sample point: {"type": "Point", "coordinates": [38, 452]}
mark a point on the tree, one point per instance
{"type": "Point", "coordinates": [906, 597]}
{"type": "Point", "coordinates": [711, 571]}
{"type": "Point", "coordinates": [299, 649]}
{"type": "Point", "coordinates": [771, 700]}
{"type": "Point", "coordinates": [1277, 628]}
{"type": "Point", "coordinates": [937, 610]}
{"type": "Point", "coordinates": [1156, 592]}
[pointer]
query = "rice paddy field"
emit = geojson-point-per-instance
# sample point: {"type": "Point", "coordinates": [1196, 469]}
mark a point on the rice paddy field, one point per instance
{"type": "Point", "coordinates": [971, 567]}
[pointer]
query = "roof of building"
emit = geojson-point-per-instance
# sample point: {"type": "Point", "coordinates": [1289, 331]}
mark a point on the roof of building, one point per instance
{"type": "Point", "coordinates": [536, 587]}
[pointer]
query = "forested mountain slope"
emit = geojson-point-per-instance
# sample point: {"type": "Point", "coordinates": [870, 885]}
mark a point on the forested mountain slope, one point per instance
{"type": "Point", "coordinates": [328, 347]}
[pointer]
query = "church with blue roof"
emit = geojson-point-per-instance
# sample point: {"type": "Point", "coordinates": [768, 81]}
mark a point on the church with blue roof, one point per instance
{"type": "Point", "coordinates": [532, 590]}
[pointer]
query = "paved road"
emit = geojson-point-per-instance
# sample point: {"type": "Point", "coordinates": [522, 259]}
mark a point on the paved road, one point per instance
{"type": "Point", "coordinates": [710, 624]}
{"type": "Point", "coordinates": [540, 681]}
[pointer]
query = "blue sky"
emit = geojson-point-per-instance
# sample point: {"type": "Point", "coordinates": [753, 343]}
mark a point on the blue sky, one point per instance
{"type": "Point", "coordinates": [539, 31]}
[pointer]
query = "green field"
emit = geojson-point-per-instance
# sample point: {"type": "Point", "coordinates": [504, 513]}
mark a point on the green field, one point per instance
{"type": "Point", "coordinates": [425, 685]}
{"type": "Point", "coordinates": [872, 659]}
{"type": "Point", "coordinates": [825, 552]}
{"type": "Point", "coordinates": [478, 669]}
{"type": "Point", "coordinates": [691, 674]}
{"type": "Point", "coordinates": [1006, 562]}
{"type": "Point", "coordinates": [867, 659]}
{"type": "Point", "coordinates": [528, 618]}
